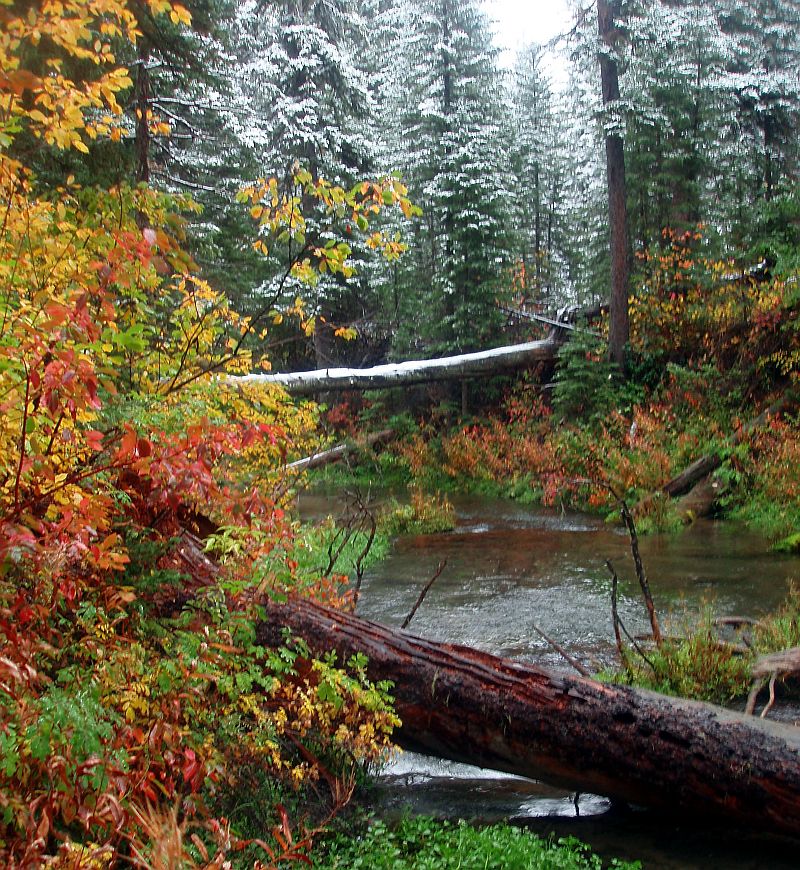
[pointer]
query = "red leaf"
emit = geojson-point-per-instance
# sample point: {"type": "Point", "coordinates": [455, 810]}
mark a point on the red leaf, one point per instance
{"type": "Point", "coordinates": [94, 439]}
{"type": "Point", "coordinates": [128, 443]}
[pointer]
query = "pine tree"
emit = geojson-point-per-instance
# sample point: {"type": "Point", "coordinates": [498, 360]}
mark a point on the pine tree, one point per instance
{"type": "Point", "coordinates": [674, 109]}
{"type": "Point", "coordinates": [306, 102]}
{"type": "Point", "coordinates": [539, 154]}
{"type": "Point", "coordinates": [453, 137]}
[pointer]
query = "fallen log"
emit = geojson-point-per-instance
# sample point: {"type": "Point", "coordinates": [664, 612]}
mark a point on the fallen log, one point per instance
{"type": "Point", "coordinates": [637, 746]}
{"type": "Point", "coordinates": [340, 451]}
{"type": "Point", "coordinates": [701, 499]}
{"type": "Point", "coordinates": [701, 468]}
{"type": "Point", "coordinates": [404, 374]}
{"type": "Point", "coordinates": [690, 476]}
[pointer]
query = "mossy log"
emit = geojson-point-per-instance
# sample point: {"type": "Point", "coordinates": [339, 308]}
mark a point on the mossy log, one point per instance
{"type": "Point", "coordinates": [636, 746]}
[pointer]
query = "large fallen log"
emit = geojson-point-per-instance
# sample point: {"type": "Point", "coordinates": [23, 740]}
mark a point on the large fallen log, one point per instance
{"type": "Point", "coordinates": [404, 374]}
{"type": "Point", "coordinates": [637, 746]}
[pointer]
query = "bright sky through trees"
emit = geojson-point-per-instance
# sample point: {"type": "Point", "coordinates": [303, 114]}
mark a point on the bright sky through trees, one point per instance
{"type": "Point", "coordinates": [520, 22]}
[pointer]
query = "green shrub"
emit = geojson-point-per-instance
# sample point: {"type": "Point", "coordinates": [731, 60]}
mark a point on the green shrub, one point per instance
{"type": "Point", "coordinates": [423, 515]}
{"type": "Point", "coordinates": [422, 843]}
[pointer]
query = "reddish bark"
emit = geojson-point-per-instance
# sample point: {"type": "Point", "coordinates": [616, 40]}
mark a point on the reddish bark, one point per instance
{"type": "Point", "coordinates": [637, 746]}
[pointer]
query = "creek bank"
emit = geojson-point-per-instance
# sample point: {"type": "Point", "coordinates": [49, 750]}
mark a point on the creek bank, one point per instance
{"type": "Point", "coordinates": [509, 564]}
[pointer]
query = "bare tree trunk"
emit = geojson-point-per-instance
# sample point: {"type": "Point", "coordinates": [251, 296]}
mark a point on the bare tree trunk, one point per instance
{"type": "Point", "coordinates": [648, 749]}
{"type": "Point", "coordinates": [619, 326]}
{"type": "Point", "coordinates": [142, 145]}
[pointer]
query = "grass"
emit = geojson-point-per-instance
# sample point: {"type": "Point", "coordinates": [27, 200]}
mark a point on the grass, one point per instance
{"type": "Point", "coordinates": [421, 843]}
{"type": "Point", "coordinates": [698, 665]}
{"type": "Point", "coordinates": [423, 515]}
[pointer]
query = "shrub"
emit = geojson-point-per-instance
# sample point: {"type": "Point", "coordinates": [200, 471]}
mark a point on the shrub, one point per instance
{"type": "Point", "coordinates": [422, 843]}
{"type": "Point", "coordinates": [423, 515]}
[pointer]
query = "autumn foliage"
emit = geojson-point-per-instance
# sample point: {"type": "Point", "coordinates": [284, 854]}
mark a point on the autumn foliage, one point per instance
{"type": "Point", "coordinates": [133, 693]}
{"type": "Point", "coordinates": [712, 344]}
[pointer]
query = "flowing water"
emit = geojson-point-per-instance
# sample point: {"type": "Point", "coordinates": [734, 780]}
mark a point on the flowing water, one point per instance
{"type": "Point", "coordinates": [509, 568]}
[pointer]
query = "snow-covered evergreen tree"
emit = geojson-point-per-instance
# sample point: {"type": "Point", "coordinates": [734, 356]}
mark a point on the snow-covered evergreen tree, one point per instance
{"type": "Point", "coordinates": [304, 82]}
{"type": "Point", "coordinates": [539, 163]}
{"type": "Point", "coordinates": [453, 145]}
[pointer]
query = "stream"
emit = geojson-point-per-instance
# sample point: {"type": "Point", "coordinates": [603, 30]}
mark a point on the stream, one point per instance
{"type": "Point", "coordinates": [510, 568]}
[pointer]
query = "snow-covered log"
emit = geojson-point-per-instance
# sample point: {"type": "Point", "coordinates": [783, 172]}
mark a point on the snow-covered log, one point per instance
{"type": "Point", "coordinates": [413, 372]}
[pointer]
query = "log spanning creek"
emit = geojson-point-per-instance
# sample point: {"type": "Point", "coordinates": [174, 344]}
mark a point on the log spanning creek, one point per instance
{"type": "Point", "coordinates": [510, 568]}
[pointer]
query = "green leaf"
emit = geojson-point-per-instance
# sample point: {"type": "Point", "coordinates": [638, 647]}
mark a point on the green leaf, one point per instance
{"type": "Point", "coordinates": [326, 692]}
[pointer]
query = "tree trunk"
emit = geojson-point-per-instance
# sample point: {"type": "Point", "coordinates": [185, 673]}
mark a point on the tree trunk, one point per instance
{"type": "Point", "coordinates": [413, 372]}
{"type": "Point", "coordinates": [636, 746]}
{"type": "Point", "coordinates": [619, 325]}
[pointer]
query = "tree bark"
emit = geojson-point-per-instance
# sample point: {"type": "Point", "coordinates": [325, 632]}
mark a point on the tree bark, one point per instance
{"type": "Point", "coordinates": [619, 324]}
{"type": "Point", "coordinates": [573, 732]}
{"type": "Point", "coordinates": [699, 469]}
{"type": "Point", "coordinates": [701, 499]}
{"type": "Point", "coordinates": [413, 372]}
{"type": "Point", "coordinates": [142, 96]}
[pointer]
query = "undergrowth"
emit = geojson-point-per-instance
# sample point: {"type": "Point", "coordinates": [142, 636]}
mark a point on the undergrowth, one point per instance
{"type": "Point", "coordinates": [421, 515]}
{"type": "Point", "coordinates": [426, 844]}
{"type": "Point", "coordinates": [694, 662]}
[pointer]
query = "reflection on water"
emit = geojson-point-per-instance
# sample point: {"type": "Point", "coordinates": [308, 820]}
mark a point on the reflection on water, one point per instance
{"type": "Point", "coordinates": [511, 567]}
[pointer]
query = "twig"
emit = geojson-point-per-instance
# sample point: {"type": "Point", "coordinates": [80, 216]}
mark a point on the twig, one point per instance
{"type": "Point", "coordinates": [640, 573]}
{"type": "Point", "coordinates": [563, 653]}
{"type": "Point", "coordinates": [636, 646]}
{"type": "Point", "coordinates": [345, 532]}
{"type": "Point", "coordinates": [618, 623]}
{"type": "Point", "coordinates": [615, 612]}
{"type": "Point", "coordinates": [734, 621]}
{"type": "Point", "coordinates": [750, 707]}
{"type": "Point", "coordinates": [23, 435]}
{"type": "Point", "coordinates": [771, 701]}
{"type": "Point", "coordinates": [359, 564]}
{"type": "Point", "coordinates": [424, 592]}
